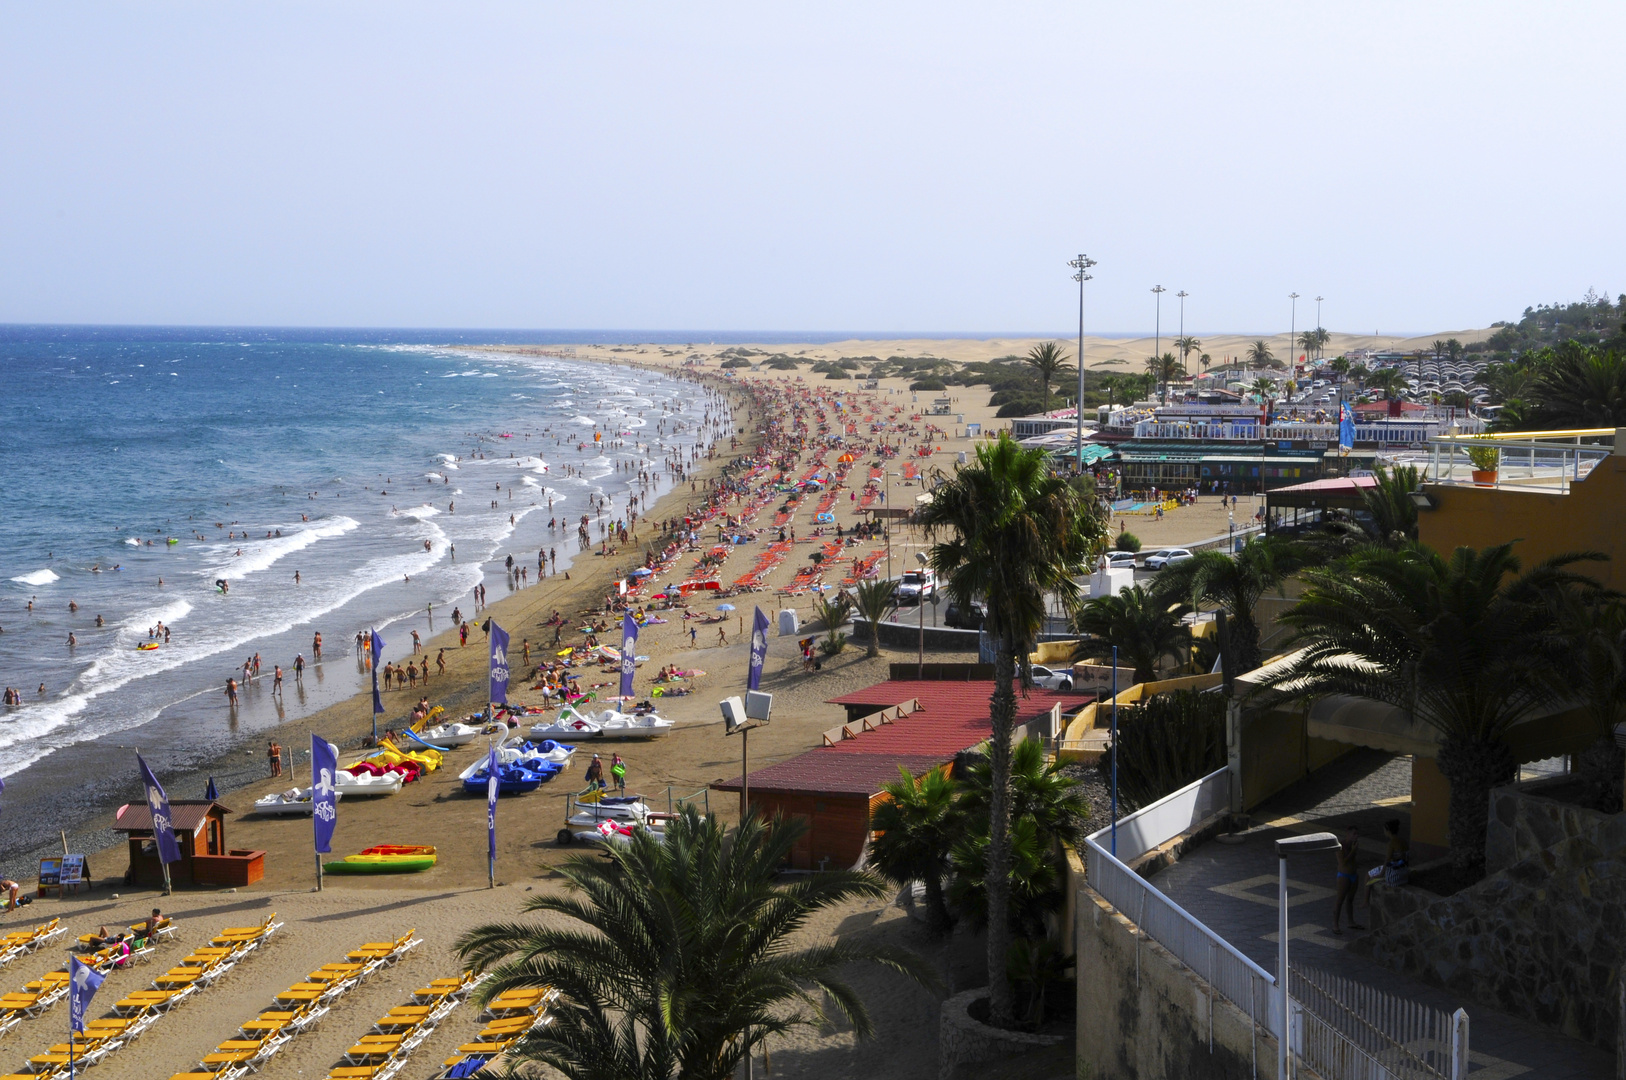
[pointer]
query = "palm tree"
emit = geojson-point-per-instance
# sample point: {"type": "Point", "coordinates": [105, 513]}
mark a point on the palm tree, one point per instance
{"type": "Point", "coordinates": [1459, 643]}
{"type": "Point", "coordinates": [1594, 667]}
{"type": "Point", "coordinates": [1186, 346]}
{"type": "Point", "coordinates": [1264, 389]}
{"type": "Point", "coordinates": [1047, 360]}
{"type": "Point", "coordinates": [1164, 369]}
{"type": "Point", "coordinates": [1040, 790]}
{"type": "Point", "coordinates": [915, 827]}
{"type": "Point", "coordinates": [1260, 356]}
{"type": "Point", "coordinates": [1579, 386]}
{"type": "Point", "coordinates": [1205, 360]}
{"type": "Point", "coordinates": [875, 599]}
{"type": "Point", "coordinates": [1388, 380]}
{"type": "Point", "coordinates": [1014, 535]}
{"type": "Point", "coordinates": [1321, 339]}
{"type": "Point", "coordinates": [1391, 516]}
{"type": "Point", "coordinates": [1145, 627]}
{"type": "Point", "coordinates": [1309, 341]}
{"type": "Point", "coordinates": [676, 957]}
{"type": "Point", "coordinates": [1339, 366]}
{"type": "Point", "coordinates": [833, 612]}
{"type": "Point", "coordinates": [1234, 583]}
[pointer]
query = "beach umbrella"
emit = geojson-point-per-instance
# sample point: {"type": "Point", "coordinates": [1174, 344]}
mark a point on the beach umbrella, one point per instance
{"type": "Point", "coordinates": [725, 607]}
{"type": "Point", "coordinates": [211, 792]}
{"type": "Point", "coordinates": [641, 572]}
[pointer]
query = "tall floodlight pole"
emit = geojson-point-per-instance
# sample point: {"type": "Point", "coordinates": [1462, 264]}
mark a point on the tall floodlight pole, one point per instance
{"type": "Point", "coordinates": [1182, 294]}
{"type": "Point", "coordinates": [1082, 265]}
{"type": "Point", "coordinates": [1157, 343]}
{"type": "Point", "coordinates": [1318, 328]}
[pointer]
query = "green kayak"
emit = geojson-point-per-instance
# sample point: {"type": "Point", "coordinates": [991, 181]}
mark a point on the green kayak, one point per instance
{"type": "Point", "coordinates": [380, 864]}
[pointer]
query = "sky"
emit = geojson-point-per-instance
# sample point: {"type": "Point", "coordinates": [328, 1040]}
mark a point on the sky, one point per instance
{"type": "Point", "coordinates": [873, 167]}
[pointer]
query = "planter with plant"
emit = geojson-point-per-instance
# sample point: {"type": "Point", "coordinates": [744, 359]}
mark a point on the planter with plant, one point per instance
{"type": "Point", "coordinates": [1485, 459]}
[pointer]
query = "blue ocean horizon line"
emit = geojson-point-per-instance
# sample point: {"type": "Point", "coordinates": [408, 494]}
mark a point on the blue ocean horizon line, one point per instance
{"type": "Point", "coordinates": [158, 332]}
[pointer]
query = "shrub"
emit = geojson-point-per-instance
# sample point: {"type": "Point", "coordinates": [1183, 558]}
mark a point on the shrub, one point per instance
{"type": "Point", "coordinates": [929, 383]}
{"type": "Point", "coordinates": [1165, 744]}
{"type": "Point", "coordinates": [833, 644]}
{"type": "Point", "coordinates": [1127, 541]}
{"type": "Point", "coordinates": [1025, 405]}
{"type": "Point", "coordinates": [736, 362]}
{"type": "Point", "coordinates": [836, 373]}
{"type": "Point", "coordinates": [782, 363]}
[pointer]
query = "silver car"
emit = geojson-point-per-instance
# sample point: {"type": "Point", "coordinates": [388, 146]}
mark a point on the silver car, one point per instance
{"type": "Point", "coordinates": [1157, 560]}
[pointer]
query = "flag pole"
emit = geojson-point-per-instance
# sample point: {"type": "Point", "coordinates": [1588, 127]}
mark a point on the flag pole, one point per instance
{"type": "Point", "coordinates": [318, 855]}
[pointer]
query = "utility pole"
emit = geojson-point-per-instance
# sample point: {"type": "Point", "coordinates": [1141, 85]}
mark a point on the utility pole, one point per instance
{"type": "Point", "coordinates": [1082, 265]}
{"type": "Point", "coordinates": [1157, 343]}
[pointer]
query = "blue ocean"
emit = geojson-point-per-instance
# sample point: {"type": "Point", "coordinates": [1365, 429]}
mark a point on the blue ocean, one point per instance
{"type": "Point", "coordinates": [391, 471]}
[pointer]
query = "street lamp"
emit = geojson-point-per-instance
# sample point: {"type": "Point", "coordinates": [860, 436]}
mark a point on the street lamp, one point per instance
{"type": "Point", "coordinates": [1082, 265]}
{"type": "Point", "coordinates": [1182, 294]}
{"type": "Point", "coordinates": [920, 604]}
{"type": "Point", "coordinates": [1318, 328]}
{"type": "Point", "coordinates": [1292, 845]}
{"type": "Point", "coordinates": [1157, 341]}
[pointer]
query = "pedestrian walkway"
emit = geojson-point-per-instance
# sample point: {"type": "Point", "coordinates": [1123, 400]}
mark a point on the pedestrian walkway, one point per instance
{"type": "Point", "coordinates": [1232, 888]}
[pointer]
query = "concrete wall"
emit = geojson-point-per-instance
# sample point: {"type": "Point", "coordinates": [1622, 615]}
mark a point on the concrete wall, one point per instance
{"type": "Point", "coordinates": [1586, 519]}
{"type": "Point", "coordinates": [1142, 1015]}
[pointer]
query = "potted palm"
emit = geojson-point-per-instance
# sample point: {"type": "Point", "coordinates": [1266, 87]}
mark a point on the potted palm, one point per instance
{"type": "Point", "coordinates": [1484, 460]}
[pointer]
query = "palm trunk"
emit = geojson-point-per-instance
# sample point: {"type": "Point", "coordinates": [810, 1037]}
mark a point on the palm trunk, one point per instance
{"type": "Point", "coordinates": [1598, 767]}
{"type": "Point", "coordinates": [938, 919]}
{"type": "Point", "coordinates": [1002, 715]}
{"type": "Point", "coordinates": [1245, 650]}
{"type": "Point", "coordinates": [1472, 766]}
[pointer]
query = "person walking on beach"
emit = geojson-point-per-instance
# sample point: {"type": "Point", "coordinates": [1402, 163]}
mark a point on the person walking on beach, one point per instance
{"type": "Point", "coordinates": [316, 646]}
{"type": "Point", "coordinates": [693, 635]}
{"type": "Point", "coordinates": [299, 667]}
{"type": "Point", "coordinates": [417, 646]}
{"type": "Point", "coordinates": [463, 635]}
{"type": "Point", "coordinates": [595, 774]}
{"type": "Point", "coordinates": [618, 769]}
{"type": "Point", "coordinates": [722, 636]}
{"type": "Point", "coordinates": [276, 680]}
{"type": "Point", "coordinates": [440, 661]}
{"type": "Point", "coordinates": [231, 692]}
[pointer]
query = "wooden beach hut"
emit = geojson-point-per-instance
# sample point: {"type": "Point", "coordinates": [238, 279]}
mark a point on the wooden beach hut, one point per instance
{"type": "Point", "coordinates": [200, 832]}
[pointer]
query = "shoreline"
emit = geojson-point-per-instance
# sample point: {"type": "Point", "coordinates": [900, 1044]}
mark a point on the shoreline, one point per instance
{"type": "Point", "coordinates": [348, 722]}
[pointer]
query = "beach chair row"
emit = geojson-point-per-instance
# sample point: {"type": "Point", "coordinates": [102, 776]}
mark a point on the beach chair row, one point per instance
{"type": "Point", "coordinates": [22, 942]}
{"type": "Point", "coordinates": [134, 1014]}
{"type": "Point", "coordinates": [383, 1052]}
{"type": "Point", "coordinates": [509, 1017]}
{"type": "Point", "coordinates": [295, 1011]}
{"type": "Point", "coordinates": [40, 994]}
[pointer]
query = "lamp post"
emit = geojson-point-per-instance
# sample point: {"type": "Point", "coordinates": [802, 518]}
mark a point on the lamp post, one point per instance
{"type": "Point", "coordinates": [1115, 751]}
{"type": "Point", "coordinates": [1318, 328]}
{"type": "Point", "coordinates": [1182, 294]}
{"type": "Point", "coordinates": [1157, 341]}
{"type": "Point", "coordinates": [920, 605]}
{"type": "Point", "coordinates": [1082, 265]}
{"type": "Point", "coordinates": [1292, 845]}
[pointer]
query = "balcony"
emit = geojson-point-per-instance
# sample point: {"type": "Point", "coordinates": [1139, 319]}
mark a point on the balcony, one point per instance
{"type": "Point", "coordinates": [1535, 461]}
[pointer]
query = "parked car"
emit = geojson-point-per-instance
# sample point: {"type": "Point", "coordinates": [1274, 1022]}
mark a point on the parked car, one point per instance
{"type": "Point", "coordinates": [914, 584]}
{"type": "Point", "coordinates": [1157, 560]}
{"type": "Point", "coordinates": [1121, 560]}
{"type": "Point", "coordinates": [969, 617]}
{"type": "Point", "coordinates": [1047, 679]}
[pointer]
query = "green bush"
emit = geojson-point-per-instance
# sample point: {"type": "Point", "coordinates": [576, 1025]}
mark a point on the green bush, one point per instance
{"type": "Point", "coordinates": [782, 363]}
{"type": "Point", "coordinates": [1022, 406]}
{"type": "Point", "coordinates": [836, 373]}
{"type": "Point", "coordinates": [736, 362]}
{"type": "Point", "coordinates": [833, 644]}
{"type": "Point", "coordinates": [1127, 541]}
{"type": "Point", "coordinates": [930, 383]}
{"type": "Point", "coordinates": [1165, 744]}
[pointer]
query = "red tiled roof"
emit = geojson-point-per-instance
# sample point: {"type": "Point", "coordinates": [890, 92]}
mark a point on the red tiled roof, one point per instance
{"type": "Point", "coordinates": [825, 771]}
{"type": "Point", "coordinates": [952, 716]}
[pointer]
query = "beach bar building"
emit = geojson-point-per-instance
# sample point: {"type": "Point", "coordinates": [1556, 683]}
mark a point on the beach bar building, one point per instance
{"type": "Point", "coordinates": [918, 724]}
{"type": "Point", "coordinates": [200, 833]}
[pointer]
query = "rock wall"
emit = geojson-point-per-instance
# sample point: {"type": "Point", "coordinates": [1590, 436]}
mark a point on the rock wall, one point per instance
{"type": "Point", "coordinates": [1543, 938]}
{"type": "Point", "coordinates": [964, 1043]}
{"type": "Point", "coordinates": [1522, 823]}
{"type": "Point", "coordinates": [1143, 1015]}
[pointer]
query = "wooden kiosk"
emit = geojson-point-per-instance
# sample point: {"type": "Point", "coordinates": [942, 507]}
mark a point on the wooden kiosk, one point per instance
{"type": "Point", "coordinates": [200, 833]}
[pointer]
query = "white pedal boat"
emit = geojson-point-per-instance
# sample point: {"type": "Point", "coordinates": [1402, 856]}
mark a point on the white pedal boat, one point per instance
{"type": "Point", "coordinates": [518, 751]}
{"type": "Point", "coordinates": [447, 736]}
{"type": "Point", "coordinates": [291, 803]}
{"type": "Point", "coordinates": [608, 724]}
{"type": "Point", "coordinates": [366, 785]}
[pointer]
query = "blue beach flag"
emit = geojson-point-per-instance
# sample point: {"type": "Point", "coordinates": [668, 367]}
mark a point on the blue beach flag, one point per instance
{"type": "Point", "coordinates": [1346, 428]}
{"type": "Point", "coordinates": [629, 644]}
{"type": "Point", "coordinates": [378, 702]}
{"type": "Point", "coordinates": [759, 649]}
{"type": "Point", "coordinates": [83, 982]}
{"type": "Point", "coordinates": [211, 792]}
{"type": "Point", "coordinates": [493, 772]}
{"type": "Point", "coordinates": [324, 798]}
{"type": "Point", "coordinates": [163, 831]}
{"type": "Point", "coordinates": [499, 665]}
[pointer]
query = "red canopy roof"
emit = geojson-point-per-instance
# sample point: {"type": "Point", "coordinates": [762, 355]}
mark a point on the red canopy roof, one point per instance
{"type": "Point", "coordinates": [952, 715]}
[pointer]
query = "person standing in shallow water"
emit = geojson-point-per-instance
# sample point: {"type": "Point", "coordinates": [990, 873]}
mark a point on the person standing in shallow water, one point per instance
{"type": "Point", "coordinates": [231, 692]}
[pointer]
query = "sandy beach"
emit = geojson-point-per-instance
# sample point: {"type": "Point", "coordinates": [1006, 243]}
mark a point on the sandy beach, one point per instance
{"type": "Point", "coordinates": [453, 895]}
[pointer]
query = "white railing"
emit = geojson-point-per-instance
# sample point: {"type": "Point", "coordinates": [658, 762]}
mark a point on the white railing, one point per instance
{"type": "Point", "coordinates": [1384, 433]}
{"type": "Point", "coordinates": [1549, 463]}
{"type": "Point", "coordinates": [1216, 961]}
{"type": "Point", "coordinates": [1173, 814]}
{"type": "Point", "coordinates": [1349, 1029]}
{"type": "Point", "coordinates": [1342, 1030]}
